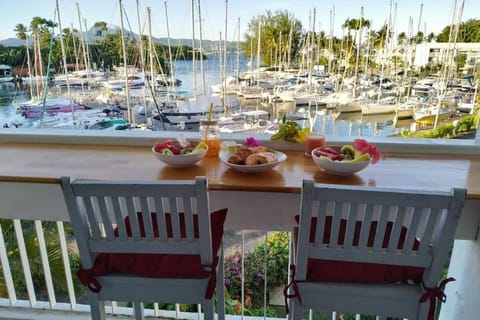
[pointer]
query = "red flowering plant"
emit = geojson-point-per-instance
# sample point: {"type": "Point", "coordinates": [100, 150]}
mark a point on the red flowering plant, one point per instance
{"type": "Point", "coordinates": [252, 142]}
{"type": "Point", "coordinates": [364, 147]}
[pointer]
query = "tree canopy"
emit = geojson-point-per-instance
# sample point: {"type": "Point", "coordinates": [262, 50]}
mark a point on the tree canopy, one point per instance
{"type": "Point", "coordinates": [468, 31]}
{"type": "Point", "coordinates": [279, 34]}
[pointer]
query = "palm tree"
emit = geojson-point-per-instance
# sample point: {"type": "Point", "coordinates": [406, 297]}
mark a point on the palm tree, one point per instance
{"type": "Point", "coordinates": [21, 33]}
{"type": "Point", "coordinates": [55, 259]}
{"type": "Point", "coordinates": [402, 36]}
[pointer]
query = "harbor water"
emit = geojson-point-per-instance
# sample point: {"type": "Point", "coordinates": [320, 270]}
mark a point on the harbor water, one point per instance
{"type": "Point", "coordinates": [320, 119]}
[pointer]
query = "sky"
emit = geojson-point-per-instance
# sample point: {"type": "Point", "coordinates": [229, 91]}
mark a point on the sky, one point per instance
{"type": "Point", "coordinates": [219, 17]}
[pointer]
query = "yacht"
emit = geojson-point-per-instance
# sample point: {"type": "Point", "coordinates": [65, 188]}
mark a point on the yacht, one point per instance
{"type": "Point", "coordinates": [5, 73]}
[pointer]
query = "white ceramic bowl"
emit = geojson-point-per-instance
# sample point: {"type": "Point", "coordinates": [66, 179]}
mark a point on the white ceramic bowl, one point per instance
{"type": "Point", "coordinates": [342, 168]}
{"type": "Point", "coordinates": [180, 160]}
{"type": "Point", "coordinates": [224, 154]}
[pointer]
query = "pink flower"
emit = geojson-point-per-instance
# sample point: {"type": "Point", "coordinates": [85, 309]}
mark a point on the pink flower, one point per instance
{"type": "Point", "coordinates": [252, 142]}
{"type": "Point", "coordinates": [364, 147]}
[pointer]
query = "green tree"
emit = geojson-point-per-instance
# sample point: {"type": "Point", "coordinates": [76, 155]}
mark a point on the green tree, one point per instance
{"type": "Point", "coordinates": [102, 25]}
{"type": "Point", "coordinates": [401, 38]}
{"type": "Point", "coordinates": [274, 30]}
{"type": "Point", "coordinates": [21, 31]}
{"type": "Point", "coordinates": [468, 31]}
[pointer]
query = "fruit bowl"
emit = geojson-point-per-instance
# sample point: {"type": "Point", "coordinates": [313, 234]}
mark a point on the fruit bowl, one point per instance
{"type": "Point", "coordinates": [180, 159]}
{"type": "Point", "coordinates": [339, 167]}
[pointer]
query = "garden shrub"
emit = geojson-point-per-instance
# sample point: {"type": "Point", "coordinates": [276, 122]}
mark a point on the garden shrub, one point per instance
{"type": "Point", "coordinates": [276, 248]}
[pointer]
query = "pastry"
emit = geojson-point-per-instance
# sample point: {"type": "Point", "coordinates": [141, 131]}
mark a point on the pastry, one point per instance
{"type": "Point", "coordinates": [240, 155]}
{"type": "Point", "coordinates": [261, 158]}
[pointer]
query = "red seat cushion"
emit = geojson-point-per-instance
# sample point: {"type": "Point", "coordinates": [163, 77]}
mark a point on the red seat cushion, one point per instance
{"type": "Point", "coordinates": [159, 265]}
{"type": "Point", "coordinates": [324, 270]}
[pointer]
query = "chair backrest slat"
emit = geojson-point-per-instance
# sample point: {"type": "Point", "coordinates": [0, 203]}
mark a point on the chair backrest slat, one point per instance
{"type": "Point", "coordinates": [320, 227]}
{"type": "Point", "coordinates": [336, 221]}
{"type": "Point", "coordinates": [350, 228]}
{"type": "Point", "coordinates": [106, 223]}
{"type": "Point", "coordinates": [381, 227]}
{"type": "Point", "coordinates": [117, 210]}
{"type": "Point", "coordinates": [398, 224]}
{"type": "Point", "coordinates": [433, 215]}
{"type": "Point", "coordinates": [187, 205]}
{"type": "Point", "coordinates": [413, 227]}
{"type": "Point", "coordinates": [367, 218]}
{"type": "Point", "coordinates": [95, 226]}
{"type": "Point", "coordinates": [162, 225]}
{"type": "Point", "coordinates": [133, 218]}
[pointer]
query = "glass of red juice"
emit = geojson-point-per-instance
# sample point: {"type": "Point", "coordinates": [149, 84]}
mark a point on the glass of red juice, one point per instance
{"type": "Point", "coordinates": [314, 140]}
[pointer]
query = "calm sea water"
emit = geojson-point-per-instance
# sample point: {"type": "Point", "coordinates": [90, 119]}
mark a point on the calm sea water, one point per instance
{"type": "Point", "coordinates": [325, 120]}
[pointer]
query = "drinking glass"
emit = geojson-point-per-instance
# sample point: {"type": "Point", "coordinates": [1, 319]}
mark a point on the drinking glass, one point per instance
{"type": "Point", "coordinates": [314, 140]}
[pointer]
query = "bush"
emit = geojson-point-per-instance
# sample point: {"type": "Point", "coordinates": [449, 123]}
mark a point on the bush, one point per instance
{"type": "Point", "coordinates": [276, 248]}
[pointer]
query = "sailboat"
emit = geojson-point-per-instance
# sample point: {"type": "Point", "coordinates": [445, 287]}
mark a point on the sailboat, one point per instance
{"type": "Point", "coordinates": [191, 110]}
{"type": "Point", "coordinates": [5, 73]}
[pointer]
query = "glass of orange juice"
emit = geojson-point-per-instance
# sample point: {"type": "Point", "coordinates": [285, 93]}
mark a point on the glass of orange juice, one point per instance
{"type": "Point", "coordinates": [209, 133]}
{"type": "Point", "coordinates": [314, 140]}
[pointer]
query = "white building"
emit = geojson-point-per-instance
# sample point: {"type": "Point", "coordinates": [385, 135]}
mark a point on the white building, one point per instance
{"type": "Point", "coordinates": [431, 53]}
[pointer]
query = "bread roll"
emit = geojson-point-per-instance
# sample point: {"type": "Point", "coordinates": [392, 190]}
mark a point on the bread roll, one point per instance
{"type": "Point", "coordinates": [236, 159]}
{"type": "Point", "coordinates": [240, 156]}
{"type": "Point", "coordinates": [261, 158]}
{"type": "Point", "coordinates": [258, 149]}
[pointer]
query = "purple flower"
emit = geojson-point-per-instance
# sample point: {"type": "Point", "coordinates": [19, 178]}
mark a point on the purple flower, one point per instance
{"type": "Point", "coordinates": [252, 142]}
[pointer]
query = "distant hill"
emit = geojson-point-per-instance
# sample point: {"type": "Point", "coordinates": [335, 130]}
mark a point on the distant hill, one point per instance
{"type": "Point", "coordinates": [95, 33]}
{"type": "Point", "coordinates": [12, 42]}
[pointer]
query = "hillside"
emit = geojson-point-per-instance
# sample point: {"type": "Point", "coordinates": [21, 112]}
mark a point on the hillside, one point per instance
{"type": "Point", "coordinates": [95, 34]}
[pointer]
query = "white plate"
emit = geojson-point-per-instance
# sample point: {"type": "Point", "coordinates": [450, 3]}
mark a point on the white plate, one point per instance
{"type": "Point", "coordinates": [224, 154]}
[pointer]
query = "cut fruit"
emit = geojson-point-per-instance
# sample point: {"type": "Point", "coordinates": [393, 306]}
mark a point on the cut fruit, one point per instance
{"type": "Point", "coordinates": [200, 147]}
{"type": "Point", "coordinates": [167, 152]}
{"type": "Point", "coordinates": [362, 157]}
{"type": "Point", "coordinates": [348, 151]}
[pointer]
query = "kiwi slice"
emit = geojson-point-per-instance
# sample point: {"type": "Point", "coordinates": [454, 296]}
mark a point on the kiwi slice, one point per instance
{"type": "Point", "coordinates": [348, 152]}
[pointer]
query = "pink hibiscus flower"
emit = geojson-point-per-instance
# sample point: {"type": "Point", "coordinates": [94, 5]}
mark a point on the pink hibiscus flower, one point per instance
{"type": "Point", "coordinates": [252, 142]}
{"type": "Point", "coordinates": [364, 147]}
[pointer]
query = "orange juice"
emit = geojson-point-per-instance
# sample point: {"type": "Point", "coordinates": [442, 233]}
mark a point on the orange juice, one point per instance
{"type": "Point", "coordinates": [314, 140]}
{"type": "Point", "coordinates": [210, 134]}
{"type": "Point", "coordinates": [213, 146]}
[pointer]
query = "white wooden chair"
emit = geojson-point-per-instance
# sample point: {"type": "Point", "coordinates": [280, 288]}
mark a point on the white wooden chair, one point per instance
{"type": "Point", "coordinates": [115, 222]}
{"type": "Point", "coordinates": [359, 248]}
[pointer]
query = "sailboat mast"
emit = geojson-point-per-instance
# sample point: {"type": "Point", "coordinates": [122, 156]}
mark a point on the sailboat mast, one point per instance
{"type": "Point", "coordinates": [125, 67]}
{"type": "Point", "coordinates": [259, 41]}
{"type": "Point", "coordinates": [150, 44]}
{"type": "Point", "coordinates": [360, 28]}
{"type": "Point", "coordinates": [82, 43]}
{"type": "Point", "coordinates": [290, 39]}
{"type": "Point", "coordinates": [87, 49]}
{"type": "Point", "coordinates": [330, 41]}
{"type": "Point", "coordinates": [238, 50]}
{"type": "Point", "coordinates": [75, 50]}
{"type": "Point", "coordinates": [201, 49]}
{"type": "Point", "coordinates": [140, 41]}
{"type": "Point", "coordinates": [386, 51]}
{"type": "Point", "coordinates": [64, 56]}
{"type": "Point", "coordinates": [194, 58]}
{"type": "Point", "coordinates": [29, 65]}
{"type": "Point", "coordinates": [146, 80]}
{"type": "Point", "coordinates": [169, 45]}
{"type": "Point", "coordinates": [224, 70]}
